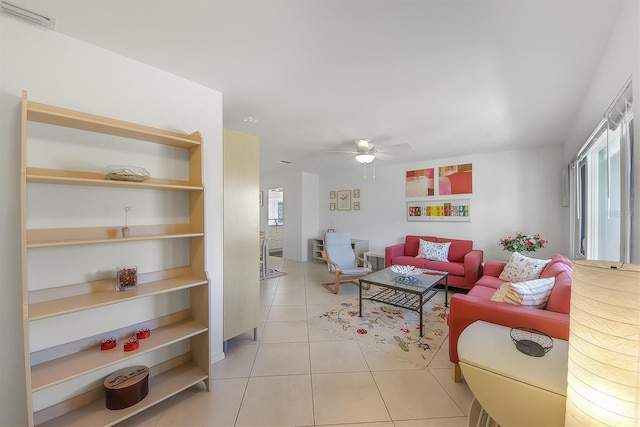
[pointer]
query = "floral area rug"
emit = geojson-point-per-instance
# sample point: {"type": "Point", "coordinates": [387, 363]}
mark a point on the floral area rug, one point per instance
{"type": "Point", "coordinates": [388, 328]}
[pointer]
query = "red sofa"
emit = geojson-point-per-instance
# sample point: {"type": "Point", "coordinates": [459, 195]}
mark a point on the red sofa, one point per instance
{"type": "Point", "coordinates": [477, 305]}
{"type": "Point", "coordinates": [464, 266]}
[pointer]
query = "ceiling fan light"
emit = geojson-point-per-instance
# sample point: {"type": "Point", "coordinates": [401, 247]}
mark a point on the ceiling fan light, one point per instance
{"type": "Point", "coordinates": [365, 158]}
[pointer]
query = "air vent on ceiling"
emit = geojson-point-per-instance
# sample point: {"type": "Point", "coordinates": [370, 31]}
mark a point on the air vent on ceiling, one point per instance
{"type": "Point", "coordinates": [28, 15]}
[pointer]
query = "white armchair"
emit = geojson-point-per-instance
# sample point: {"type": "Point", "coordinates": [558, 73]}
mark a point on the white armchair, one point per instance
{"type": "Point", "coordinates": [342, 262]}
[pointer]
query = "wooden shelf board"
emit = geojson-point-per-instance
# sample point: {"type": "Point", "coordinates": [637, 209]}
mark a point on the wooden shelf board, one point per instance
{"type": "Point", "coordinates": [65, 368]}
{"type": "Point", "coordinates": [161, 387]}
{"type": "Point", "coordinates": [57, 116]}
{"type": "Point", "coordinates": [111, 240]}
{"type": "Point", "coordinates": [61, 306]}
{"type": "Point", "coordinates": [95, 179]}
{"type": "Point", "coordinates": [51, 237]}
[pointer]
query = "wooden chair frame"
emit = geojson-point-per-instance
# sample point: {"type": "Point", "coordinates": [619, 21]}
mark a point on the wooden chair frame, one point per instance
{"type": "Point", "coordinates": [334, 286]}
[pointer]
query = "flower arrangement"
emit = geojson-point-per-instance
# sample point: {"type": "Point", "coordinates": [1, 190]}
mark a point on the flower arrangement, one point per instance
{"type": "Point", "coordinates": [523, 243]}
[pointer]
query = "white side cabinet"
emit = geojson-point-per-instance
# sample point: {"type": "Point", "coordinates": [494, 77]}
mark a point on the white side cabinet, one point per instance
{"type": "Point", "coordinates": [274, 239]}
{"type": "Point", "coordinates": [72, 244]}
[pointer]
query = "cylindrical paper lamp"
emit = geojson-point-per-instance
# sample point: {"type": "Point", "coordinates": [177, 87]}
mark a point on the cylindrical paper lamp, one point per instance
{"type": "Point", "coordinates": [604, 345]}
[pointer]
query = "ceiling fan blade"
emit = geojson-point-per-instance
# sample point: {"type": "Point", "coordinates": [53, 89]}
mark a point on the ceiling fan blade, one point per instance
{"type": "Point", "coordinates": [383, 156]}
{"type": "Point", "coordinates": [341, 151]}
{"type": "Point", "coordinates": [393, 148]}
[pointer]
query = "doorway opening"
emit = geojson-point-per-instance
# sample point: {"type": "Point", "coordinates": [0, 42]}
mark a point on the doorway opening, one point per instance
{"type": "Point", "coordinates": [275, 221]}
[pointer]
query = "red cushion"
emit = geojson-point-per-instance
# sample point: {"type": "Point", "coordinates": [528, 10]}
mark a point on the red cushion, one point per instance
{"type": "Point", "coordinates": [560, 297]}
{"type": "Point", "coordinates": [453, 268]}
{"type": "Point", "coordinates": [554, 269]}
{"type": "Point", "coordinates": [458, 248]}
{"type": "Point", "coordinates": [481, 292]}
{"type": "Point", "coordinates": [409, 260]}
{"type": "Point", "coordinates": [490, 282]}
{"type": "Point", "coordinates": [556, 259]}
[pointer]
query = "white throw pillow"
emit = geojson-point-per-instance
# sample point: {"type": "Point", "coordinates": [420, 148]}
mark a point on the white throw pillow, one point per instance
{"type": "Point", "coordinates": [532, 293]}
{"type": "Point", "coordinates": [521, 268]}
{"type": "Point", "coordinates": [434, 251]}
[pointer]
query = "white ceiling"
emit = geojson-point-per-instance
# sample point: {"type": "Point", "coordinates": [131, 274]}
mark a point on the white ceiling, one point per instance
{"type": "Point", "coordinates": [449, 77]}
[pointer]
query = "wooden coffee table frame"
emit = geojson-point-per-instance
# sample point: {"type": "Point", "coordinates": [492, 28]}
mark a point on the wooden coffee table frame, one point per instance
{"type": "Point", "coordinates": [410, 292]}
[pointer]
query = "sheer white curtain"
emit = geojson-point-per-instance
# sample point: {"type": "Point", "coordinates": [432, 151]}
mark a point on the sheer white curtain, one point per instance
{"type": "Point", "coordinates": [602, 187]}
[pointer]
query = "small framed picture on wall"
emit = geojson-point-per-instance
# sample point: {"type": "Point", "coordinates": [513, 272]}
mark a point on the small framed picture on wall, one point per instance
{"type": "Point", "coordinates": [332, 194]}
{"type": "Point", "coordinates": [332, 206]}
{"type": "Point", "coordinates": [344, 200]}
{"type": "Point", "coordinates": [356, 193]}
{"type": "Point", "coordinates": [356, 206]}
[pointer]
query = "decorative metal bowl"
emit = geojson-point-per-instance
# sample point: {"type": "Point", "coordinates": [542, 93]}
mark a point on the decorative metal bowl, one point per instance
{"type": "Point", "coordinates": [406, 270]}
{"type": "Point", "coordinates": [531, 342]}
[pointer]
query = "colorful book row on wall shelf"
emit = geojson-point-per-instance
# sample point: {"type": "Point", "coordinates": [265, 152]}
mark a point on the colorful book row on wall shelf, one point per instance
{"type": "Point", "coordinates": [443, 210]}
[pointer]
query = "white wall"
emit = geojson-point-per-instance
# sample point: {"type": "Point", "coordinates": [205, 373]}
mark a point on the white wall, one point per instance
{"type": "Point", "coordinates": [62, 71]}
{"type": "Point", "coordinates": [310, 212]}
{"type": "Point", "coordinates": [512, 191]}
{"type": "Point", "coordinates": [620, 60]}
{"type": "Point", "coordinates": [300, 210]}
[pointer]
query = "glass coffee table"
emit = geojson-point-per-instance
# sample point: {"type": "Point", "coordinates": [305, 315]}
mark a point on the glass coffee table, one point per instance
{"type": "Point", "coordinates": [410, 292]}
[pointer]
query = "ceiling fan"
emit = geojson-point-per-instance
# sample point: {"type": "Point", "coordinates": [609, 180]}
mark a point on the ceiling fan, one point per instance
{"type": "Point", "coordinates": [367, 152]}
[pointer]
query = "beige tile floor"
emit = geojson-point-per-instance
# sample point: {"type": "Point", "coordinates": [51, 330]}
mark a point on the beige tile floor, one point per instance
{"type": "Point", "coordinates": [298, 375]}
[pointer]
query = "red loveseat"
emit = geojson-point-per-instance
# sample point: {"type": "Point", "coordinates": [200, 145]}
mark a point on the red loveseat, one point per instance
{"type": "Point", "coordinates": [464, 266]}
{"type": "Point", "coordinates": [477, 305]}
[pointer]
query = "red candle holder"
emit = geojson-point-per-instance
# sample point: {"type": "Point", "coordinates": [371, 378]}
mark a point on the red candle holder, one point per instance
{"type": "Point", "coordinates": [143, 333]}
{"type": "Point", "coordinates": [108, 343]}
{"type": "Point", "coordinates": [131, 345]}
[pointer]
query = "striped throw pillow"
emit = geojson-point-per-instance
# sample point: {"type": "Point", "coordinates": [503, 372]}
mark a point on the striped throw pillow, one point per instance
{"type": "Point", "coordinates": [532, 293]}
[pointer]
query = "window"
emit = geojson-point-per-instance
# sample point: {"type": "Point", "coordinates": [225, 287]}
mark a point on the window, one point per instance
{"type": "Point", "coordinates": [276, 207]}
{"type": "Point", "coordinates": [602, 186]}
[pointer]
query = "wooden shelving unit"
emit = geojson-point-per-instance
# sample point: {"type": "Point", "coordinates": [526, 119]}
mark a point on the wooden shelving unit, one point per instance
{"type": "Point", "coordinates": [317, 245]}
{"type": "Point", "coordinates": [64, 368]}
{"type": "Point", "coordinates": [72, 362]}
{"type": "Point", "coordinates": [161, 387]}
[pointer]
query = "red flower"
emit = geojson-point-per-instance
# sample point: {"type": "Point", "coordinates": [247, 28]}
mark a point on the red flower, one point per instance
{"type": "Point", "coordinates": [362, 331]}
